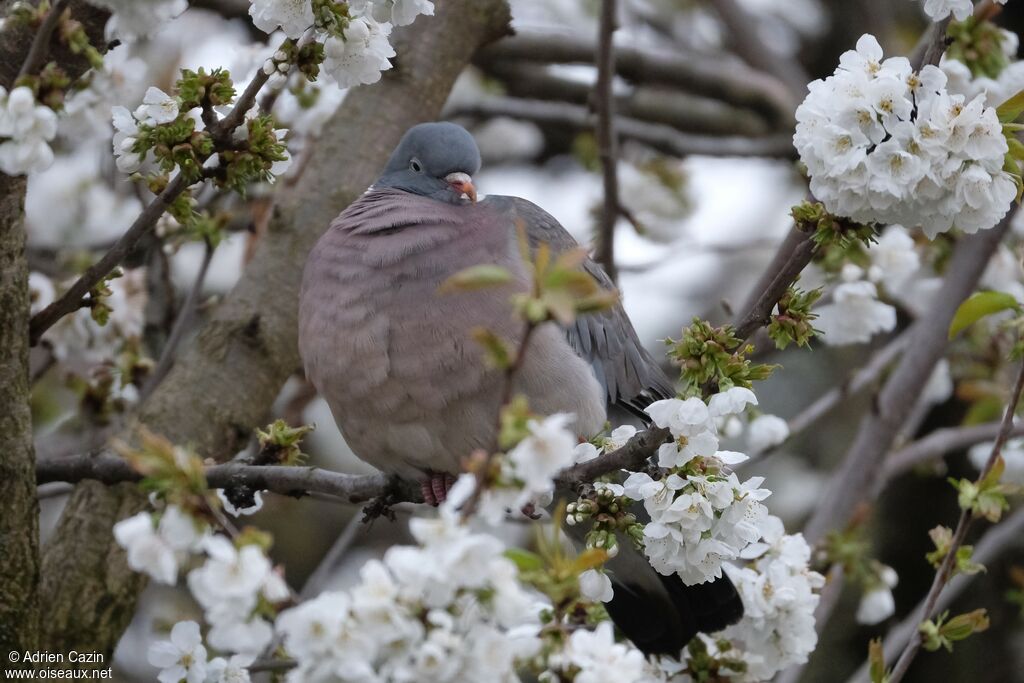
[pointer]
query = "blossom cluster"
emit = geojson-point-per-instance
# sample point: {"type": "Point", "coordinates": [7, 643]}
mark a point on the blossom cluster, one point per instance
{"type": "Point", "coordinates": [157, 108]}
{"type": "Point", "coordinates": [26, 130]}
{"type": "Point", "coordinates": [448, 609]}
{"type": "Point", "coordinates": [229, 586]}
{"type": "Point", "coordinates": [884, 144]}
{"type": "Point", "coordinates": [356, 47]}
{"type": "Point", "coordinates": [701, 514]}
{"type": "Point", "coordinates": [779, 599]}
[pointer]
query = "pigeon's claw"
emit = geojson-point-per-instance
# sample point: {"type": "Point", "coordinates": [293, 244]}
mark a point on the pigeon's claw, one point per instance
{"type": "Point", "coordinates": [435, 487]}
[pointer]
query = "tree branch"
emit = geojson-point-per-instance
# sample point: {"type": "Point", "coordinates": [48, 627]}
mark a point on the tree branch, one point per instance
{"type": "Point", "coordinates": [938, 444]}
{"type": "Point", "coordinates": [722, 79]}
{"type": "Point", "coordinates": [181, 325]}
{"type": "Point", "coordinates": [857, 380]}
{"type": "Point", "coordinates": [997, 540]}
{"type": "Point", "coordinates": [288, 481]}
{"type": "Point", "coordinates": [41, 43]}
{"type": "Point", "coordinates": [945, 570]}
{"type": "Point", "coordinates": [607, 142]}
{"type": "Point", "coordinates": [854, 478]}
{"type": "Point", "coordinates": [750, 46]}
{"type": "Point", "coordinates": [661, 137]}
{"type": "Point", "coordinates": [71, 300]}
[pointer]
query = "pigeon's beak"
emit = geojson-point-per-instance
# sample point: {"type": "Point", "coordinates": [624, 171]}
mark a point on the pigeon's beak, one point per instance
{"type": "Point", "coordinates": [463, 184]}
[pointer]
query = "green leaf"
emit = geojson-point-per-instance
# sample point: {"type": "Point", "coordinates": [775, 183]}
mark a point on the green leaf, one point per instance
{"type": "Point", "coordinates": [476, 277]}
{"type": "Point", "coordinates": [524, 560]}
{"type": "Point", "coordinates": [978, 306]}
{"type": "Point", "coordinates": [1011, 109]}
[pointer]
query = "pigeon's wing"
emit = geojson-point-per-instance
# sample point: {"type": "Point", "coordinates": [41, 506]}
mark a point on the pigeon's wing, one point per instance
{"type": "Point", "coordinates": [606, 339]}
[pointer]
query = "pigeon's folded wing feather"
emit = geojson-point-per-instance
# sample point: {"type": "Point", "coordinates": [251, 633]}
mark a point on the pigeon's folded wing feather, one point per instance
{"type": "Point", "coordinates": [606, 339]}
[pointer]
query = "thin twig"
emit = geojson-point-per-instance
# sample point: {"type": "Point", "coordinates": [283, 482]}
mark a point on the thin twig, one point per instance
{"type": "Point", "coordinates": [793, 256]}
{"type": "Point", "coordinates": [939, 443]}
{"type": "Point", "coordinates": [607, 142]}
{"type": "Point", "coordinates": [41, 42]}
{"type": "Point", "coordinates": [72, 299]}
{"type": "Point", "coordinates": [857, 380]}
{"type": "Point", "coordinates": [469, 507]}
{"type": "Point", "coordinates": [945, 570]}
{"type": "Point", "coordinates": [755, 51]}
{"type": "Point", "coordinates": [658, 136]}
{"type": "Point", "coordinates": [181, 325]}
{"type": "Point", "coordinates": [1005, 536]}
{"type": "Point", "coordinates": [317, 581]}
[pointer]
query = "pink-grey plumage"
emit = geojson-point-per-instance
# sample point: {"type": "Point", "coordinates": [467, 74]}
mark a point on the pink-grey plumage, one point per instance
{"type": "Point", "coordinates": [410, 388]}
{"type": "Point", "coordinates": [395, 359]}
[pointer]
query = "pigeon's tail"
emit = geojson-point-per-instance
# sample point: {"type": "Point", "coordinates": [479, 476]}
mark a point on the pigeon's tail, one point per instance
{"type": "Point", "coordinates": [664, 620]}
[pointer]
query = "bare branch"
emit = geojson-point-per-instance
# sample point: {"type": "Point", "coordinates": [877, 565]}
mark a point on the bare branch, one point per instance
{"type": "Point", "coordinates": [660, 137]}
{"type": "Point", "coordinates": [749, 45]}
{"type": "Point", "coordinates": [792, 257]}
{"type": "Point", "coordinates": [71, 300]}
{"type": "Point", "coordinates": [724, 79]}
{"type": "Point", "coordinates": [853, 384]}
{"type": "Point", "coordinates": [938, 444]}
{"type": "Point", "coordinates": [41, 43]}
{"type": "Point", "coordinates": [288, 481]}
{"type": "Point", "coordinates": [181, 325]}
{"type": "Point", "coordinates": [607, 143]}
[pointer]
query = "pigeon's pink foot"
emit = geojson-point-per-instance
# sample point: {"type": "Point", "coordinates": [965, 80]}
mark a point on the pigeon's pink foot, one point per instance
{"type": "Point", "coordinates": [435, 487]}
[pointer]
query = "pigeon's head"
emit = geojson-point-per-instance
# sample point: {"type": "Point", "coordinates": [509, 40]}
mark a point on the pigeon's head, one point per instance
{"type": "Point", "coordinates": [435, 160]}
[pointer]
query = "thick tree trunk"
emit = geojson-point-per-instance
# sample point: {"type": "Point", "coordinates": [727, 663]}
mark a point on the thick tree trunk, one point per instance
{"type": "Point", "coordinates": [19, 509]}
{"type": "Point", "coordinates": [224, 385]}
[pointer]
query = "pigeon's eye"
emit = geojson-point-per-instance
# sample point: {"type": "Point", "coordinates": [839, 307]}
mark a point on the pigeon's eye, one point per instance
{"type": "Point", "coordinates": [415, 166]}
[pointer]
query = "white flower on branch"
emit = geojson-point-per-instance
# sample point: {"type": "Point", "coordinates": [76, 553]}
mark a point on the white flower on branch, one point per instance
{"type": "Point", "coordinates": [183, 657]}
{"type": "Point", "coordinates": [894, 258]}
{"type": "Point", "coordinates": [779, 598]}
{"type": "Point", "coordinates": [886, 145]}
{"type": "Point", "coordinates": [133, 19]}
{"type": "Point", "coordinates": [157, 107]}
{"type": "Point", "coordinates": [598, 659]}
{"type": "Point", "coordinates": [448, 609]}
{"type": "Point", "coordinates": [398, 12]}
{"type": "Point", "coordinates": [233, 670]}
{"type": "Point", "coordinates": [855, 315]}
{"type": "Point", "coordinates": [596, 586]}
{"type": "Point", "coordinates": [766, 431]}
{"type": "Point", "coordinates": [26, 129]}
{"type": "Point", "coordinates": [157, 549]}
{"type": "Point", "coordinates": [293, 17]}
{"type": "Point", "coordinates": [960, 9]}
{"type": "Point", "coordinates": [877, 603]}
{"type": "Point", "coordinates": [362, 55]}
{"type": "Point", "coordinates": [228, 587]}
{"type": "Point", "coordinates": [698, 522]}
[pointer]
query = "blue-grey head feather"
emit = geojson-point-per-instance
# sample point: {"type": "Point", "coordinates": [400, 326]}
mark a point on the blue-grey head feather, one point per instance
{"type": "Point", "coordinates": [427, 153]}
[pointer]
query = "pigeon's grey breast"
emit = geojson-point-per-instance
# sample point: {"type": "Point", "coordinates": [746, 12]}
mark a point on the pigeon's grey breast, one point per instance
{"type": "Point", "coordinates": [395, 359]}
